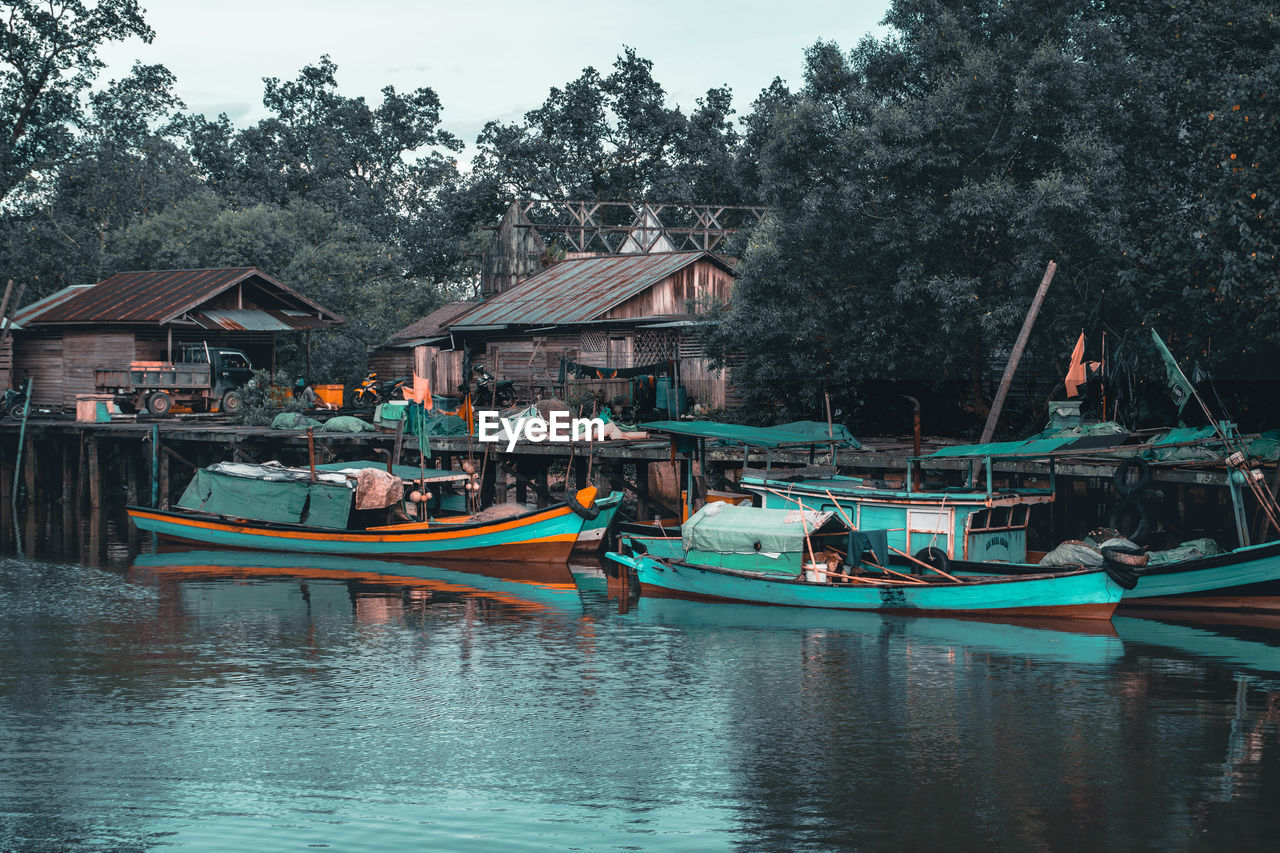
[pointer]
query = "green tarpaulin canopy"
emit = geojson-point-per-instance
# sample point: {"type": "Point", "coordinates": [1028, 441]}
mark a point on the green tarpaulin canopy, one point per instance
{"type": "Point", "coordinates": [725, 528]}
{"type": "Point", "coordinates": [796, 434]}
{"type": "Point", "coordinates": [289, 500]}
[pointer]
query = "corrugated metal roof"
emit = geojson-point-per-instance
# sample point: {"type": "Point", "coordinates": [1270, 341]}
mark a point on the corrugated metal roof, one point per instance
{"type": "Point", "coordinates": [580, 290]}
{"type": "Point", "coordinates": [160, 296]}
{"type": "Point", "coordinates": [434, 323]}
{"type": "Point", "coordinates": [26, 315]}
{"type": "Point", "coordinates": [255, 320]}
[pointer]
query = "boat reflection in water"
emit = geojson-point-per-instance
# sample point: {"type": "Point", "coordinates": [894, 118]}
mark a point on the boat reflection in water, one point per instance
{"type": "Point", "coordinates": [1088, 642]}
{"type": "Point", "coordinates": [534, 587]}
{"type": "Point", "coordinates": [1250, 645]}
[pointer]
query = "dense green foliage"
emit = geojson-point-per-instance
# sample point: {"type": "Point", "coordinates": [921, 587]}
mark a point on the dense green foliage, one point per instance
{"type": "Point", "coordinates": [918, 182]}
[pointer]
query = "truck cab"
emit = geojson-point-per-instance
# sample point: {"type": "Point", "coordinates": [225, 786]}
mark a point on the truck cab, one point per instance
{"type": "Point", "coordinates": [231, 368]}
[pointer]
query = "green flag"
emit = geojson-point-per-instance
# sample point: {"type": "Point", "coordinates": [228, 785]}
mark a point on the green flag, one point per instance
{"type": "Point", "coordinates": [1179, 387]}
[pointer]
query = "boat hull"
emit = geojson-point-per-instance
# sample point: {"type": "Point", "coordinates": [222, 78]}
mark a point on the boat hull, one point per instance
{"type": "Point", "coordinates": [1082, 594]}
{"type": "Point", "coordinates": [1220, 580]}
{"type": "Point", "coordinates": [1239, 578]}
{"type": "Point", "coordinates": [544, 536]}
{"type": "Point", "coordinates": [595, 529]}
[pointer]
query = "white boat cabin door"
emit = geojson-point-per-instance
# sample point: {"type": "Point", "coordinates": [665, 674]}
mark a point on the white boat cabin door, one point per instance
{"type": "Point", "coordinates": [927, 527]}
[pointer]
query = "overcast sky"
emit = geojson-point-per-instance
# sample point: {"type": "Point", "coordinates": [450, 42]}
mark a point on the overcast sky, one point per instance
{"type": "Point", "coordinates": [486, 60]}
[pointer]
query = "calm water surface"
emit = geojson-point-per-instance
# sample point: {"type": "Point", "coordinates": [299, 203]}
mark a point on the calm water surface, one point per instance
{"type": "Point", "coordinates": [231, 702]}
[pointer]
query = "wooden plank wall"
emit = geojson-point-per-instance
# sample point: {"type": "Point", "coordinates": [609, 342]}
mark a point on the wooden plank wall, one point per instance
{"type": "Point", "coordinates": [85, 350]}
{"type": "Point", "coordinates": [697, 282]}
{"type": "Point", "coordinates": [39, 355]}
{"type": "Point", "coordinates": [6, 364]}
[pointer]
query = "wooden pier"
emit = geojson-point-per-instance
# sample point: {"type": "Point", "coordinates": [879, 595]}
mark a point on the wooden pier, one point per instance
{"type": "Point", "coordinates": [85, 465]}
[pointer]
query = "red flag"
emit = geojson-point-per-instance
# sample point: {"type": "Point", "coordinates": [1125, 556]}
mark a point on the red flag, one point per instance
{"type": "Point", "coordinates": [1076, 375]}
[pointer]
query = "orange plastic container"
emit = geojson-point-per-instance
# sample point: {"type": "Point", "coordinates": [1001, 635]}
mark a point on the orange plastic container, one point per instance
{"type": "Point", "coordinates": [330, 394]}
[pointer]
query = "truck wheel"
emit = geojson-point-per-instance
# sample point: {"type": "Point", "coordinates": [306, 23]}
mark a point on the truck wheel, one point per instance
{"type": "Point", "coordinates": [159, 404]}
{"type": "Point", "coordinates": [232, 402]}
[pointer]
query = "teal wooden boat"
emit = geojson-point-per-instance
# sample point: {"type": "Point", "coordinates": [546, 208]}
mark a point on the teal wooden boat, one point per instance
{"type": "Point", "coordinates": [1240, 579]}
{"type": "Point", "coordinates": [776, 556]}
{"type": "Point", "coordinates": [595, 529]}
{"type": "Point", "coordinates": [982, 525]}
{"type": "Point", "coordinates": [274, 508]}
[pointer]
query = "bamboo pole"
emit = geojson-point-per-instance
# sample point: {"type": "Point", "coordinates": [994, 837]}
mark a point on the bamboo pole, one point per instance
{"type": "Point", "coordinates": [1016, 355]}
{"type": "Point", "coordinates": [924, 564]}
{"type": "Point", "coordinates": [22, 436]}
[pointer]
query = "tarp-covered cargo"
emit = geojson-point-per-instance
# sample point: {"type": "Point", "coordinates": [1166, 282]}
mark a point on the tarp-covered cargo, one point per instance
{"type": "Point", "coordinates": [270, 493]}
{"type": "Point", "coordinates": [751, 538]}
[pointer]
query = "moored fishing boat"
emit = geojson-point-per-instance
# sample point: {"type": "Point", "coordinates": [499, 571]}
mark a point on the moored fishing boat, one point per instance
{"type": "Point", "coordinates": [273, 508]}
{"type": "Point", "coordinates": [793, 557]}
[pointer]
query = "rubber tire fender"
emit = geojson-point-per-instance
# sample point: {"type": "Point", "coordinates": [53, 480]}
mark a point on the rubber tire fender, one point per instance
{"type": "Point", "coordinates": [590, 513]}
{"type": "Point", "coordinates": [1120, 480]}
{"type": "Point", "coordinates": [935, 557]}
{"type": "Point", "coordinates": [1118, 512]}
{"type": "Point", "coordinates": [1124, 576]}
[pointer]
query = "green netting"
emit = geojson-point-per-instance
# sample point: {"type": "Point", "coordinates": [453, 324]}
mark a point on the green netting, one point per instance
{"type": "Point", "coordinates": [293, 420]}
{"type": "Point", "coordinates": [286, 501]}
{"type": "Point", "coordinates": [347, 423]}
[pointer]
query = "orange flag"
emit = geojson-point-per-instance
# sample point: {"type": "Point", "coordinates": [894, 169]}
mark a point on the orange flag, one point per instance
{"type": "Point", "coordinates": [421, 392]}
{"type": "Point", "coordinates": [1076, 375]}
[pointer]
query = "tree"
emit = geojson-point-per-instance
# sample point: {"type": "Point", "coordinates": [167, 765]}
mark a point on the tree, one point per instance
{"type": "Point", "coordinates": [378, 166]}
{"type": "Point", "coordinates": [919, 185]}
{"type": "Point", "coordinates": [613, 138]}
{"type": "Point", "coordinates": [48, 61]}
{"type": "Point", "coordinates": [338, 264]}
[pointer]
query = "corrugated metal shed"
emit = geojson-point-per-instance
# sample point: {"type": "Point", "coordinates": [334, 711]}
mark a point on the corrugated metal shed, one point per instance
{"type": "Point", "coordinates": [161, 296]}
{"type": "Point", "coordinates": [580, 290]}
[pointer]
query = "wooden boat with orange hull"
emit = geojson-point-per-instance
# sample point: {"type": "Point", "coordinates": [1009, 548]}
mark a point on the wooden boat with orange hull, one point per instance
{"type": "Point", "coordinates": [353, 511]}
{"type": "Point", "coordinates": [545, 535]}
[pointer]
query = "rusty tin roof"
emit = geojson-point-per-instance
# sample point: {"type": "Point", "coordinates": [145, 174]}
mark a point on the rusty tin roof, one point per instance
{"type": "Point", "coordinates": [437, 321]}
{"type": "Point", "coordinates": [161, 296]}
{"type": "Point", "coordinates": [580, 290]}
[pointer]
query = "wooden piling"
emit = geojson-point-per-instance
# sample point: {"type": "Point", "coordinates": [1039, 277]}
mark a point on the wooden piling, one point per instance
{"type": "Point", "coordinates": [95, 481]}
{"type": "Point", "coordinates": [164, 481]}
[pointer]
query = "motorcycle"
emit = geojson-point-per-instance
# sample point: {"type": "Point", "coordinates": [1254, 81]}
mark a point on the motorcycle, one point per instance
{"type": "Point", "coordinates": [489, 391]}
{"type": "Point", "coordinates": [371, 392]}
{"type": "Point", "coordinates": [15, 402]}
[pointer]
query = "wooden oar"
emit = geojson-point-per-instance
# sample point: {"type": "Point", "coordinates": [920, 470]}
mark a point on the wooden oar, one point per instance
{"type": "Point", "coordinates": [926, 565]}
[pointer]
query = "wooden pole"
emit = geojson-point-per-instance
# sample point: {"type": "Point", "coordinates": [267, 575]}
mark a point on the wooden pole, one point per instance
{"type": "Point", "coordinates": [1014, 357]}
{"type": "Point", "coordinates": [395, 453]}
{"type": "Point", "coordinates": [95, 482]}
{"type": "Point", "coordinates": [7, 331]}
{"type": "Point", "coordinates": [925, 565]}
{"type": "Point", "coordinates": [311, 452]}
{"type": "Point", "coordinates": [155, 466]}
{"type": "Point", "coordinates": [4, 309]}
{"type": "Point", "coordinates": [164, 481]}
{"type": "Point", "coordinates": [22, 436]}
